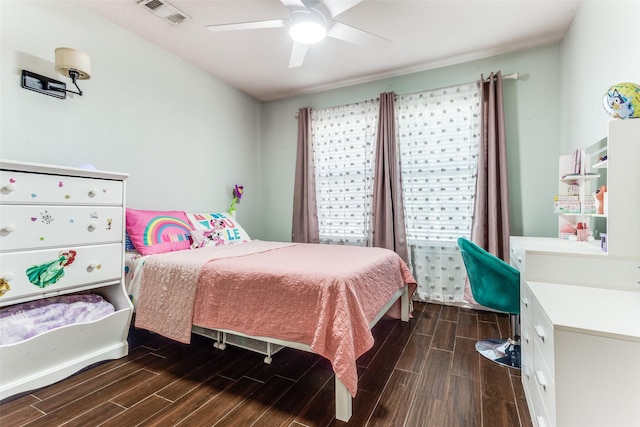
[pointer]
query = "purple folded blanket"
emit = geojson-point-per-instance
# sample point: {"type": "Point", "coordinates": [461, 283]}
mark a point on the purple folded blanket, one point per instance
{"type": "Point", "coordinates": [22, 321]}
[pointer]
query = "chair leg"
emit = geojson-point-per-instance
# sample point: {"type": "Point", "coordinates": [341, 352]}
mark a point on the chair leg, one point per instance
{"type": "Point", "coordinates": [515, 326]}
{"type": "Point", "coordinates": [504, 352]}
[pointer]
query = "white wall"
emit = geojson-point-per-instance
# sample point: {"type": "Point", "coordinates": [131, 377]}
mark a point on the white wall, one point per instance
{"type": "Point", "coordinates": [532, 125]}
{"type": "Point", "coordinates": [185, 137]}
{"type": "Point", "coordinates": [602, 48]}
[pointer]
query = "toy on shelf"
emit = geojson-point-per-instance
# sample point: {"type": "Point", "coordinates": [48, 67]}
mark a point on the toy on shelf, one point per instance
{"type": "Point", "coordinates": [622, 101]}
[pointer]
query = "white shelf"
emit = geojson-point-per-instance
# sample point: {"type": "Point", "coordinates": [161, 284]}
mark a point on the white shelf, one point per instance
{"type": "Point", "coordinates": [579, 177]}
{"type": "Point", "coordinates": [582, 214]}
{"type": "Point", "coordinates": [601, 165]}
{"type": "Point", "coordinates": [620, 222]}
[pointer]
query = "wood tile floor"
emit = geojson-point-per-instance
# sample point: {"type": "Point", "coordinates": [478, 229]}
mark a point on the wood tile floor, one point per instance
{"type": "Point", "coordinates": [422, 373]}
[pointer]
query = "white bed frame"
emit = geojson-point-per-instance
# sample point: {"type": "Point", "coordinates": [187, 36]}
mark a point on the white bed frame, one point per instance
{"type": "Point", "coordinates": [344, 403]}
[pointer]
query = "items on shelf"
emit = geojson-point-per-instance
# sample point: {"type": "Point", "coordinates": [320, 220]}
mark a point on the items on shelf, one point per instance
{"type": "Point", "coordinates": [599, 196]}
{"type": "Point", "coordinates": [622, 101]}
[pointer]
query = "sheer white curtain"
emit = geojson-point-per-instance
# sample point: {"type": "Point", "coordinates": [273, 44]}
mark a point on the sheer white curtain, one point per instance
{"type": "Point", "coordinates": [343, 150]}
{"type": "Point", "coordinates": [439, 132]}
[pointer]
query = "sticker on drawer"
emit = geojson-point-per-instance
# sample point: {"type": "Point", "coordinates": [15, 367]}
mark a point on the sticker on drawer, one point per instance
{"type": "Point", "coordinates": [50, 272]}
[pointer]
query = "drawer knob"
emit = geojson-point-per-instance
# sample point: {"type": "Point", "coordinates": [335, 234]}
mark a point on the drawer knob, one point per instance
{"type": "Point", "coordinates": [9, 187]}
{"type": "Point", "coordinates": [9, 228]}
{"type": "Point", "coordinates": [93, 265]}
{"type": "Point", "coordinates": [93, 192]}
{"type": "Point", "coordinates": [525, 301]}
{"type": "Point", "coordinates": [7, 277]}
{"type": "Point", "coordinates": [540, 332]}
{"type": "Point", "coordinates": [92, 226]}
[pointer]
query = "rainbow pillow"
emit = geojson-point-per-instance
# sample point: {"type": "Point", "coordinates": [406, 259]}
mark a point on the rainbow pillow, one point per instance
{"type": "Point", "coordinates": [156, 232]}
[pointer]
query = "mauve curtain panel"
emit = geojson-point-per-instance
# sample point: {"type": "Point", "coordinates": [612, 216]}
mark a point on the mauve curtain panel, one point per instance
{"type": "Point", "coordinates": [305, 212]}
{"type": "Point", "coordinates": [389, 229]}
{"type": "Point", "coordinates": [491, 227]}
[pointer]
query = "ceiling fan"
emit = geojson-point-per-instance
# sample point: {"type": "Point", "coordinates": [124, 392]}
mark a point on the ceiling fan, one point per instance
{"type": "Point", "coordinates": [309, 22]}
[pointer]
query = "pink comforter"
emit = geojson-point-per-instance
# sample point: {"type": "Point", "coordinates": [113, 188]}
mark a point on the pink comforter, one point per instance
{"type": "Point", "coordinates": [320, 295]}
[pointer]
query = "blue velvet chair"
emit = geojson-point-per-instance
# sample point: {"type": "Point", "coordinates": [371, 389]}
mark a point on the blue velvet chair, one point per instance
{"type": "Point", "coordinates": [496, 285]}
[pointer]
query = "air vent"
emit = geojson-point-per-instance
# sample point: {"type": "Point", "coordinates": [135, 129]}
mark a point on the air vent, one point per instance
{"type": "Point", "coordinates": [164, 10]}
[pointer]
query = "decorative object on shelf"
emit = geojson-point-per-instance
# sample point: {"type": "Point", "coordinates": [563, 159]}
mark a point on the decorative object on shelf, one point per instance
{"type": "Point", "coordinates": [582, 231]}
{"type": "Point", "coordinates": [622, 101]}
{"type": "Point", "coordinates": [567, 231]}
{"type": "Point", "coordinates": [238, 190]}
{"type": "Point", "coordinates": [70, 63]}
{"type": "Point", "coordinates": [599, 197]}
{"type": "Point", "coordinates": [577, 162]}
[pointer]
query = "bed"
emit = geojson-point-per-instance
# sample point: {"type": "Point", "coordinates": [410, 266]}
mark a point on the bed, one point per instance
{"type": "Point", "coordinates": [318, 298]}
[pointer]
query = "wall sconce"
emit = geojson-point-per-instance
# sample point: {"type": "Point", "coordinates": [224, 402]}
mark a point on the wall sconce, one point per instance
{"type": "Point", "coordinates": [70, 63]}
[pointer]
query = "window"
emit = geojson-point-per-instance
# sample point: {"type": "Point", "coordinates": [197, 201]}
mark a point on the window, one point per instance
{"type": "Point", "coordinates": [438, 134]}
{"type": "Point", "coordinates": [343, 149]}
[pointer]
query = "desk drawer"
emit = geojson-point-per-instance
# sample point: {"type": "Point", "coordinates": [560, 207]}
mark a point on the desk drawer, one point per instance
{"type": "Point", "coordinates": [38, 226]}
{"type": "Point", "coordinates": [48, 272]}
{"type": "Point", "coordinates": [543, 335]}
{"type": "Point", "coordinates": [526, 299]}
{"type": "Point", "coordinates": [22, 187]}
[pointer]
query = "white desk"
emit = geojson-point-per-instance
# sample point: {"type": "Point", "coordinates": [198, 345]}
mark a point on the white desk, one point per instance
{"type": "Point", "coordinates": [546, 259]}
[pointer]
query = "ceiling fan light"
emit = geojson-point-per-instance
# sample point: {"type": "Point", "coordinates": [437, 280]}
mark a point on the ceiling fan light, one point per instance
{"type": "Point", "coordinates": [307, 32]}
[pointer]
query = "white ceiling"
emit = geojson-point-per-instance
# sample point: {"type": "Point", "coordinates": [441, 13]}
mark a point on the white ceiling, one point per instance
{"type": "Point", "coordinates": [426, 34]}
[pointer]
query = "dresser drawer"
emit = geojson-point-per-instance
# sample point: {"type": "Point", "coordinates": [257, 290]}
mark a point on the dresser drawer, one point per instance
{"type": "Point", "coordinates": [21, 187]}
{"type": "Point", "coordinates": [537, 409]}
{"type": "Point", "coordinates": [545, 384]}
{"type": "Point", "coordinates": [526, 338]}
{"type": "Point", "coordinates": [516, 257]}
{"type": "Point", "coordinates": [526, 299]}
{"type": "Point", "coordinates": [543, 334]}
{"type": "Point", "coordinates": [38, 226]}
{"type": "Point", "coordinates": [44, 273]}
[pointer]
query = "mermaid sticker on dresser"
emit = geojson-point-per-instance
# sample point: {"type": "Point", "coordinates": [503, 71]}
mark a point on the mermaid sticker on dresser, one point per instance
{"type": "Point", "coordinates": [49, 273]}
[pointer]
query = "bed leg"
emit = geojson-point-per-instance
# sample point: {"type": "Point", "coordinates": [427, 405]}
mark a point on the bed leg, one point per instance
{"type": "Point", "coordinates": [220, 341]}
{"type": "Point", "coordinates": [404, 304]}
{"type": "Point", "coordinates": [343, 402]}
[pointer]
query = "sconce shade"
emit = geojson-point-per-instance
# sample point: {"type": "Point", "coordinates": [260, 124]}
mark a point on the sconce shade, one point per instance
{"type": "Point", "coordinates": [71, 59]}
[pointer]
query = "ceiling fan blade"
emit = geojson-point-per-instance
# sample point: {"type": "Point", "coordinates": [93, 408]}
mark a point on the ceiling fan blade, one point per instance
{"type": "Point", "coordinates": [298, 52]}
{"type": "Point", "coordinates": [288, 3]}
{"type": "Point", "coordinates": [336, 7]}
{"type": "Point", "coordinates": [354, 35]}
{"type": "Point", "coordinates": [255, 25]}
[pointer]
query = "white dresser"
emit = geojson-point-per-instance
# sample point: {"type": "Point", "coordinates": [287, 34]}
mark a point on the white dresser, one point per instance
{"type": "Point", "coordinates": [73, 220]}
{"type": "Point", "coordinates": [580, 355]}
{"type": "Point", "coordinates": [580, 333]}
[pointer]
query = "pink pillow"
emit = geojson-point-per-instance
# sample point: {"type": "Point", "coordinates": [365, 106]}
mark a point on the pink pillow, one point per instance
{"type": "Point", "coordinates": [156, 232]}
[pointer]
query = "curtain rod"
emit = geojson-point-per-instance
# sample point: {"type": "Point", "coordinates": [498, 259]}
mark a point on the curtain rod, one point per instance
{"type": "Point", "coordinates": [512, 76]}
